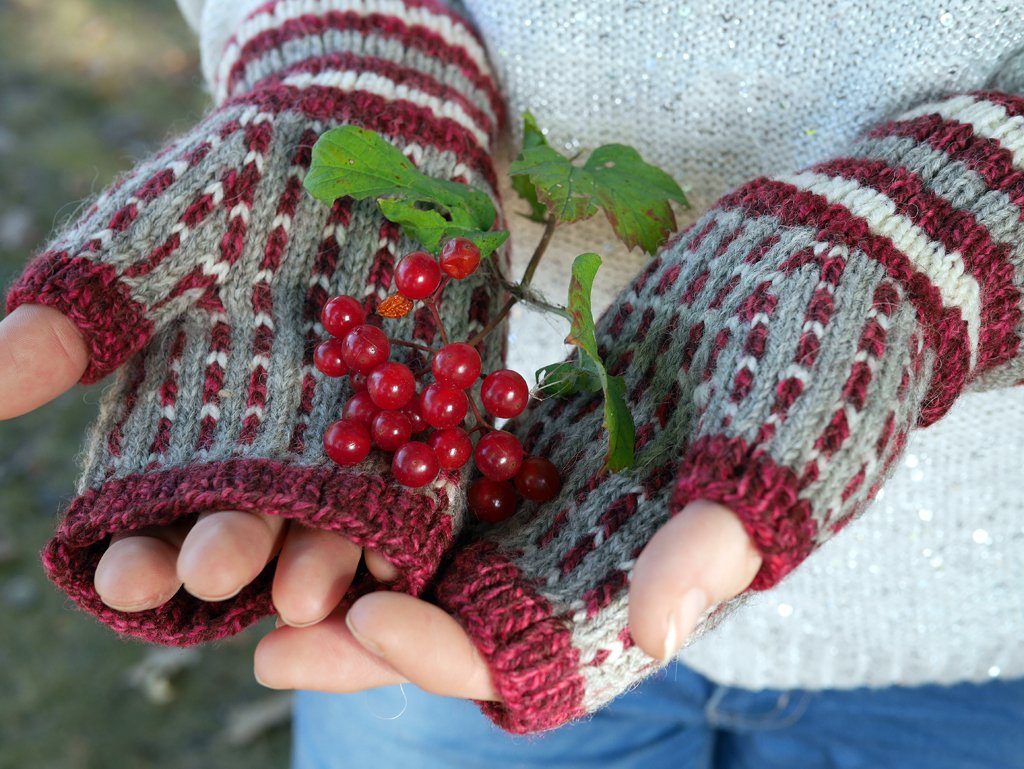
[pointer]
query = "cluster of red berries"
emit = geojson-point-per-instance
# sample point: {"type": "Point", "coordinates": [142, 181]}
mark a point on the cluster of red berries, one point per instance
{"type": "Point", "coordinates": [387, 409]}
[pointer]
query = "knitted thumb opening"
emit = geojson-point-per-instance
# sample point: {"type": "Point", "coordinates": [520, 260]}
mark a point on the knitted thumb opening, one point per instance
{"type": "Point", "coordinates": [1009, 76]}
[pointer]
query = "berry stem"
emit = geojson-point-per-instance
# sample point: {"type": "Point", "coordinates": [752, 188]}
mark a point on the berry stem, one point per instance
{"type": "Point", "coordinates": [414, 346]}
{"type": "Point", "coordinates": [531, 268]}
{"type": "Point", "coordinates": [481, 423]}
{"type": "Point", "coordinates": [542, 247]}
{"type": "Point", "coordinates": [437, 319]}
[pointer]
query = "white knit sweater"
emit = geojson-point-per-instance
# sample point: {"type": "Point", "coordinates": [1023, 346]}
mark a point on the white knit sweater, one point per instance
{"type": "Point", "coordinates": [927, 586]}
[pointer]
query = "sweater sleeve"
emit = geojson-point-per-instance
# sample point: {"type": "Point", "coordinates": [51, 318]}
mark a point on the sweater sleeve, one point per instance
{"type": "Point", "coordinates": [776, 355]}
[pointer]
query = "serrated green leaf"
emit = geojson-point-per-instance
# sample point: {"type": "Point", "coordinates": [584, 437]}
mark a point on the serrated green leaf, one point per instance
{"type": "Point", "coordinates": [429, 228]}
{"type": "Point", "coordinates": [353, 162]}
{"type": "Point", "coordinates": [618, 420]}
{"type": "Point", "coordinates": [634, 196]}
{"type": "Point", "coordinates": [559, 380]}
{"type": "Point", "coordinates": [532, 137]}
{"type": "Point", "coordinates": [566, 190]}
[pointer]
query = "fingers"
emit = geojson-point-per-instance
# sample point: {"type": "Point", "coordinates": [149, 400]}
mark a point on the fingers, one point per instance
{"type": "Point", "coordinates": [42, 355]}
{"type": "Point", "coordinates": [324, 657]}
{"type": "Point", "coordinates": [699, 558]}
{"type": "Point", "coordinates": [139, 571]}
{"type": "Point", "coordinates": [226, 551]}
{"type": "Point", "coordinates": [314, 570]}
{"type": "Point", "coordinates": [423, 643]}
{"type": "Point", "coordinates": [381, 568]}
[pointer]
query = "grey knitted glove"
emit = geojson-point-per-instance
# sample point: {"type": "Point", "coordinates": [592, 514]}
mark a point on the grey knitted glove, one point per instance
{"type": "Point", "coordinates": [200, 277]}
{"type": "Point", "coordinates": [776, 355]}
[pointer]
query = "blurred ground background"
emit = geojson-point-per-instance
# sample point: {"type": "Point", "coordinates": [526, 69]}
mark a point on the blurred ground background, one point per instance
{"type": "Point", "coordinates": [86, 88]}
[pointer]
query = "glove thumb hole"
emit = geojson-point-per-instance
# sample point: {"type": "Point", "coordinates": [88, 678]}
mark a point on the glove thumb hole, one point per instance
{"type": "Point", "coordinates": [44, 356]}
{"type": "Point", "coordinates": [697, 560]}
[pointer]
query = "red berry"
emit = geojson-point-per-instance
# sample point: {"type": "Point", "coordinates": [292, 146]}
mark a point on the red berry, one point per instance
{"type": "Point", "coordinates": [391, 385]}
{"type": "Point", "coordinates": [365, 347]}
{"type": "Point", "coordinates": [538, 480]}
{"type": "Point", "coordinates": [498, 455]}
{"type": "Point", "coordinates": [453, 448]}
{"type": "Point", "coordinates": [456, 366]}
{"type": "Point", "coordinates": [414, 464]}
{"type": "Point", "coordinates": [327, 358]}
{"type": "Point", "coordinates": [360, 408]}
{"type": "Point", "coordinates": [390, 429]}
{"type": "Point", "coordinates": [342, 314]}
{"type": "Point", "coordinates": [415, 413]}
{"type": "Point", "coordinates": [417, 275]}
{"type": "Point", "coordinates": [491, 501]}
{"type": "Point", "coordinates": [358, 382]}
{"type": "Point", "coordinates": [347, 442]}
{"type": "Point", "coordinates": [460, 257]}
{"type": "Point", "coordinates": [505, 393]}
{"type": "Point", "coordinates": [444, 407]}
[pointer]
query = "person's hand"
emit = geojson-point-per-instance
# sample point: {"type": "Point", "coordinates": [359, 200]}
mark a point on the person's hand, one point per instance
{"type": "Point", "coordinates": [199, 279]}
{"type": "Point", "coordinates": [776, 356]}
{"type": "Point", "coordinates": [700, 558]}
{"type": "Point", "coordinates": [215, 558]}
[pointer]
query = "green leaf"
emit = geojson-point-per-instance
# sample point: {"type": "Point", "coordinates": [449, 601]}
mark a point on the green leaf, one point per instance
{"type": "Point", "coordinates": [559, 380]}
{"type": "Point", "coordinates": [566, 190]}
{"type": "Point", "coordinates": [353, 162]}
{"type": "Point", "coordinates": [634, 195]}
{"type": "Point", "coordinates": [618, 420]}
{"type": "Point", "coordinates": [532, 137]}
{"type": "Point", "coordinates": [429, 228]}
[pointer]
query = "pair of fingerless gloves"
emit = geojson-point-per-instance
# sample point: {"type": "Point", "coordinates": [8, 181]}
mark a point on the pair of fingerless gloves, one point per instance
{"type": "Point", "coordinates": [776, 354]}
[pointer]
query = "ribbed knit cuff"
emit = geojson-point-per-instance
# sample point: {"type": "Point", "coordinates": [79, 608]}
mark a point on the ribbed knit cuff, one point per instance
{"type": "Point", "coordinates": [529, 651]}
{"type": "Point", "coordinates": [90, 294]}
{"type": "Point", "coordinates": [412, 531]}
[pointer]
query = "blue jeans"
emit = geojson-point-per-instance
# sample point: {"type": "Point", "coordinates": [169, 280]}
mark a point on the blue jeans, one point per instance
{"type": "Point", "coordinates": [682, 720]}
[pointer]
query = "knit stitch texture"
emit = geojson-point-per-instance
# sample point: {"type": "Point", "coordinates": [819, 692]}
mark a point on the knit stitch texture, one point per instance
{"type": "Point", "coordinates": [776, 357]}
{"type": "Point", "coordinates": [199, 277]}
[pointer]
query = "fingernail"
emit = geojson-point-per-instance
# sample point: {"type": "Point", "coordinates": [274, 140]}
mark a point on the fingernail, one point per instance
{"type": "Point", "coordinates": [367, 643]}
{"type": "Point", "coordinates": [682, 621]}
{"type": "Point", "coordinates": [279, 623]}
{"type": "Point", "coordinates": [284, 622]}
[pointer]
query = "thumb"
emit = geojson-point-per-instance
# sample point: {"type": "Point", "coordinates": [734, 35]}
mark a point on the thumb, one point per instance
{"type": "Point", "coordinates": [42, 355]}
{"type": "Point", "coordinates": [699, 558]}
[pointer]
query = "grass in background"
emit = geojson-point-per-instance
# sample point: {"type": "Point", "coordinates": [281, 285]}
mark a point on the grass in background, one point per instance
{"type": "Point", "coordinates": [87, 87]}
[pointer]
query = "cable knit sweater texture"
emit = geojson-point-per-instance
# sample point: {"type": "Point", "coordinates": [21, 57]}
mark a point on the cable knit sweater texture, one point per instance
{"type": "Point", "coordinates": [781, 351]}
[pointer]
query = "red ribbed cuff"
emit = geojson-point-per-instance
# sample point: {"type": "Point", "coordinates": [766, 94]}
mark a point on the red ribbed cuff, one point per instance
{"type": "Point", "coordinates": [763, 494]}
{"type": "Point", "coordinates": [529, 650]}
{"type": "Point", "coordinates": [412, 531]}
{"type": "Point", "coordinates": [89, 293]}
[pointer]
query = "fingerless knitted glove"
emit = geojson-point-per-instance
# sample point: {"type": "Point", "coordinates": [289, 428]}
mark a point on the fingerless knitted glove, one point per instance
{"type": "Point", "coordinates": [202, 274]}
{"type": "Point", "coordinates": [776, 356]}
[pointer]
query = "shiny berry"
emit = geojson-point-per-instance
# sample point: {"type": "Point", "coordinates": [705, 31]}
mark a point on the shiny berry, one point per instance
{"type": "Point", "coordinates": [347, 442]}
{"type": "Point", "coordinates": [415, 413]}
{"type": "Point", "coordinates": [444, 407]}
{"type": "Point", "coordinates": [342, 314]}
{"type": "Point", "coordinates": [452, 447]}
{"type": "Point", "coordinates": [414, 465]}
{"type": "Point", "coordinates": [360, 408]}
{"type": "Point", "coordinates": [505, 393]}
{"type": "Point", "coordinates": [365, 347]}
{"type": "Point", "coordinates": [538, 480]}
{"type": "Point", "coordinates": [327, 358]}
{"type": "Point", "coordinates": [498, 455]}
{"type": "Point", "coordinates": [357, 381]}
{"type": "Point", "coordinates": [391, 385]}
{"type": "Point", "coordinates": [491, 501]}
{"type": "Point", "coordinates": [417, 275]}
{"type": "Point", "coordinates": [460, 257]}
{"type": "Point", "coordinates": [390, 429]}
{"type": "Point", "coordinates": [456, 366]}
